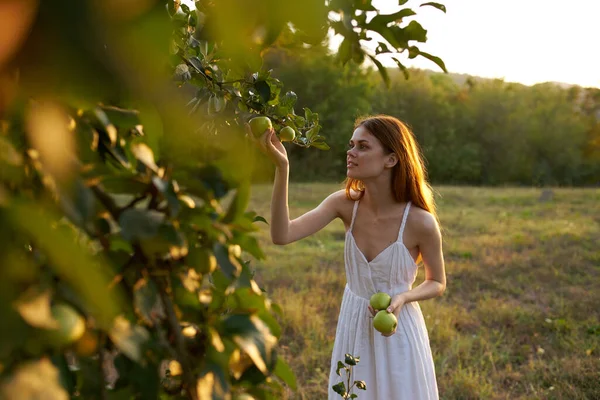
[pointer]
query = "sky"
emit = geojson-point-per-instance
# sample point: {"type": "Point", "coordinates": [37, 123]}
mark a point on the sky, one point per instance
{"type": "Point", "coordinates": [526, 41]}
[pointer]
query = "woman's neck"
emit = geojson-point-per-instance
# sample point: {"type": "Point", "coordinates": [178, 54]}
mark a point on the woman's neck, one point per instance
{"type": "Point", "coordinates": [378, 197]}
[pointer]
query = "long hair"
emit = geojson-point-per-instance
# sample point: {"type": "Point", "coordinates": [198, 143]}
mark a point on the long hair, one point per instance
{"type": "Point", "coordinates": [409, 175]}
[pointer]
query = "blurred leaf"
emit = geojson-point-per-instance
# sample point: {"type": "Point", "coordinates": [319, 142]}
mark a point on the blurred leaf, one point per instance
{"type": "Point", "coordinates": [264, 90]}
{"type": "Point", "coordinates": [385, 19]}
{"type": "Point", "coordinates": [435, 59]}
{"type": "Point", "coordinates": [127, 338]}
{"type": "Point", "coordinates": [229, 265]}
{"type": "Point", "coordinates": [320, 145]}
{"type": "Point", "coordinates": [121, 118]}
{"type": "Point", "coordinates": [239, 203]}
{"type": "Point", "coordinates": [212, 383]}
{"type": "Point", "coordinates": [138, 224]}
{"type": "Point", "coordinates": [144, 154]}
{"type": "Point", "coordinates": [284, 372]}
{"type": "Point", "coordinates": [66, 376]}
{"type": "Point", "coordinates": [254, 337]}
{"type": "Point", "coordinates": [382, 70]}
{"type": "Point", "coordinates": [402, 67]}
{"type": "Point", "coordinates": [436, 5]}
{"type": "Point", "coordinates": [415, 31]}
{"type": "Point", "coordinates": [33, 380]}
{"type": "Point", "coordinates": [34, 308]}
{"type": "Point", "coordinates": [145, 300]}
{"type": "Point", "coordinates": [85, 272]}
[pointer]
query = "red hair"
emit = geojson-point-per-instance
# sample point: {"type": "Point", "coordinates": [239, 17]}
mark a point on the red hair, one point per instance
{"type": "Point", "coordinates": [409, 176]}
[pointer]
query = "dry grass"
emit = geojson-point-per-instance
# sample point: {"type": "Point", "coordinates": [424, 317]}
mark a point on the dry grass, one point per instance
{"type": "Point", "coordinates": [521, 315]}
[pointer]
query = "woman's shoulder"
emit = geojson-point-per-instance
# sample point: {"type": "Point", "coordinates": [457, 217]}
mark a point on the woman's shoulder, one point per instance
{"type": "Point", "coordinates": [341, 203]}
{"type": "Point", "coordinates": [421, 220]}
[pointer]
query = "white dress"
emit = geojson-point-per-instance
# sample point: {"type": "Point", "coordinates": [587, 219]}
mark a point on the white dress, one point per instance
{"type": "Point", "coordinates": [399, 367]}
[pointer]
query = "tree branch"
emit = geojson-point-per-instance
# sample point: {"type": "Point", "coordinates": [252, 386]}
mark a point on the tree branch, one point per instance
{"type": "Point", "coordinates": [175, 328]}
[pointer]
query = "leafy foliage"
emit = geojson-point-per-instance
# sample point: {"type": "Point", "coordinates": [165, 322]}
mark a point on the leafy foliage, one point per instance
{"type": "Point", "coordinates": [124, 237]}
{"type": "Point", "coordinates": [345, 389]}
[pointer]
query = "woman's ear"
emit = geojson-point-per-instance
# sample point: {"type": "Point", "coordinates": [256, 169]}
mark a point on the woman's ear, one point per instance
{"type": "Point", "coordinates": [392, 160]}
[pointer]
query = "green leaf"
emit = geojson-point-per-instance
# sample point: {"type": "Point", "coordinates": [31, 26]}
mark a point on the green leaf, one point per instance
{"type": "Point", "coordinates": [253, 336]}
{"type": "Point", "coordinates": [435, 59]}
{"type": "Point", "coordinates": [167, 190]}
{"type": "Point", "coordinates": [284, 372]}
{"type": "Point", "coordinates": [264, 91]}
{"type": "Point", "coordinates": [312, 133]}
{"type": "Point", "coordinates": [289, 100]}
{"type": "Point", "coordinates": [340, 366]}
{"type": "Point", "coordinates": [382, 48]}
{"type": "Point", "coordinates": [67, 377]}
{"type": "Point", "coordinates": [436, 5]}
{"type": "Point", "coordinates": [385, 19]}
{"type": "Point", "coordinates": [402, 67]}
{"type": "Point", "coordinates": [261, 219]}
{"type": "Point", "coordinates": [121, 118]}
{"type": "Point", "coordinates": [143, 153]}
{"type": "Point", "coordinates": [33, 380]}
{"type": "Point", "coordinates": [353, 396]}
{"type": "Point", "coordinates": [145, 298]}
{"type": "Point", "coordinates": [128, 338]}
{"type": "Point", "coordinates": [139, 223]}
{"type": "Point", "coordinates": [351, 360]}
{"type": "Point", "coordinates": [72, 262]}
{"type": "Point", "coordinates": [402, 2]}
{"type": "Point", "coordinates": [228, 264]}
{"type": "Point", "coordinates": [382, 70]}
{"type": "Point", "coordinates": [413, 51]}
{"type": "Point", "coordinates": [320, 145]}
{"type": "Point", "coordinates": [345, 51]}
{"type": "Point", "coordinates": [340, 389]}
{"type": "Point", "coordinates": [415, 31]}
{"type": "Point", "coordinates": [249, 244]}
{"type": "Point", "coordinates": [239, 203]}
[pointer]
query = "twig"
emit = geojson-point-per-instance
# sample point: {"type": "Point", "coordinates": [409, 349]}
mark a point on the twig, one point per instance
{"type": "Point", "coordinates": [175, 327]}
{"type": "Point", "coordinates": [106, 201]}
{"type": "Point", "coordinates": [134, 201]}
{"type": "Point", "coordinates": [101, 361]}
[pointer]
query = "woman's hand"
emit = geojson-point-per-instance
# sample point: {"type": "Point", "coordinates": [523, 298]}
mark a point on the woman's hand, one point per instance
{"type": "Point", "coordinates": [395, 307]}
{"type": "Point", "coordinates": [270, 144]}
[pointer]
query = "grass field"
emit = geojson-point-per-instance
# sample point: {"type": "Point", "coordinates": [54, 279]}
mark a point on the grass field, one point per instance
{"type": "Point", "coordinates": [520, 318]}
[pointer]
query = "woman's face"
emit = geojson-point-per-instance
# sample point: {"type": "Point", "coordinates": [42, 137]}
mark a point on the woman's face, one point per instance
{"type": "Point", "coordinates": [366, 157]}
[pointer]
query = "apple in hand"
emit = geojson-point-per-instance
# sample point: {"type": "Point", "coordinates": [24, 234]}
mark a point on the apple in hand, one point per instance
{"type": "Point", "coordinates": [380, 301]}
{"type": "Point", "coordinates": [385, 322]}
{"type": "Point", "coordinates": [260, 125]}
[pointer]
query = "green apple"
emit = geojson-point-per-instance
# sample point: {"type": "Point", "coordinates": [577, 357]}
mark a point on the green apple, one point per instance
{"type": "Point", "coordinates": [287, 134]}
{"type": "Point", "coordinates": [385, 322]}
{"type": "Point", "coordinates": [380, 301]}
{"type": "Point", "coordinates": [260, 125]}
{"type": "Point", "coordinates": [71, 326]}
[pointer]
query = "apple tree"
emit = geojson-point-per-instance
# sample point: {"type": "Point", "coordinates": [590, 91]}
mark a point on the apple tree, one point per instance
{"type": "Point", "coordinates": [126, 245]}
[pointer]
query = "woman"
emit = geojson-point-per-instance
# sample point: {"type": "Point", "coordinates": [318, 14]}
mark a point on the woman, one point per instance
{"type": "Point", "coordinates": [390, 220]}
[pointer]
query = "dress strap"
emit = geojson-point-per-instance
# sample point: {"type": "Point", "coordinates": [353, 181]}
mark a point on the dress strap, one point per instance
{"type": "Point", "coordinates": [354, 214]}
{"type": "Point", "coordinates": [406, 208]}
